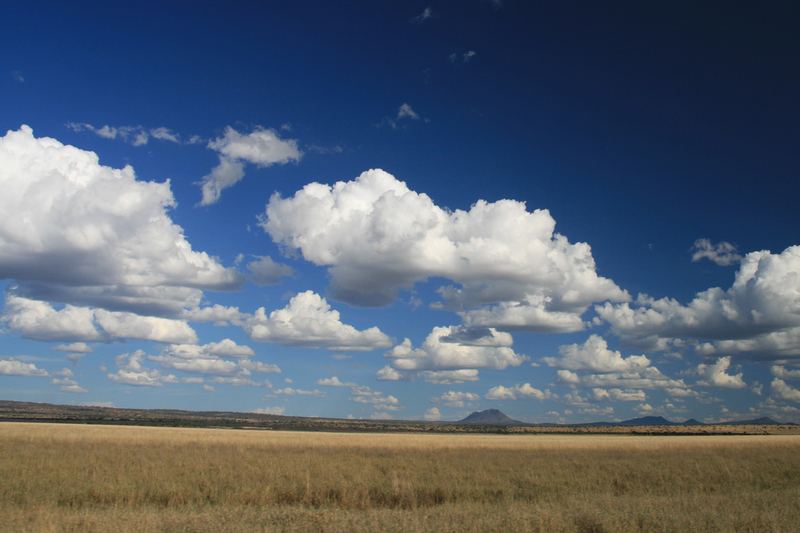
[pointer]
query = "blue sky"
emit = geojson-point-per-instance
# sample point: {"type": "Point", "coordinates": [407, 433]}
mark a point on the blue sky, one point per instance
{"type": "Point", "coordinates": [412, 210]}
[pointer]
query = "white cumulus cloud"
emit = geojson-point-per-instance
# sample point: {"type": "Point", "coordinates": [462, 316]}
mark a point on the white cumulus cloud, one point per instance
{"type": "Point", "coordinates": [457, 399]}
{"type": "Point", "coordinates": [593, 356]}
{"type": "Point", "coordinates": [308, 321]}
{"type": "Point", "coordinates": [228, 348]}
{"type": "Point", "coordinates": [759, 314]}
{"type": "Point", "coordinates": [213, 358]}
{"type": "Point", "coordinates": [97, 239]}
{"type": "Point", "coordinates": [289, 391]}
{"type": "Point", "coordinates": [39, 321]}
{"type": "Point", "coordinates": [618, 395]}
{"type": "Point", "coordinates": [12, 367]}
{"type": "Point", "coordinates": [433, 414]}
{"type": "Point", "coordinates": [207, 360]}
{"type": "Point", "coordinates": [518, 392]}
{"type": "Point", "coordinates": [782, 372]}
{"type": "Point", "coordinates": [593, 365]}
{"type": "Point", "coordinates": [439, 353]}
{"type": "Point", "coordinates": [333, 382]}
{"type": "Point", "coordinates": [69, 385]}
{"type": "Point", "coordinates": [224, 348]}
{"type": "Point", "coordinates": [377, 237]}
{"type": "Point", "coordinates": [219, 314]}
{"type": "Point", "coordinates": [80, 347]}
{"type": "Point", "coordinates": [448, 377]}
{"type": "Point", "coordinates": [131, 371]}
{"type": "Point", "coordinates": [715, 375]}
{"type": "Point", "coordinates": [131, 326]}
{"type": "Point", "coordinates": [783, 391]}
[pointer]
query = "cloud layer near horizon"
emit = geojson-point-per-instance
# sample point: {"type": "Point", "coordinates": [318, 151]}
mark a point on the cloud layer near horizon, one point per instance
{"type": "Point", "coordinates": [94, 256]}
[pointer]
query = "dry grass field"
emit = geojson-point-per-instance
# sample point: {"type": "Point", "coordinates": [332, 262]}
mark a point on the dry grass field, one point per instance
{"type": "Point", "coordinates": [120, 478]}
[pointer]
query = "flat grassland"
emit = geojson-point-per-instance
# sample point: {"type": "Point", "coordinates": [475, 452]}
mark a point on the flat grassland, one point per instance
{"type": "Point", "coordinates": [56, 477]}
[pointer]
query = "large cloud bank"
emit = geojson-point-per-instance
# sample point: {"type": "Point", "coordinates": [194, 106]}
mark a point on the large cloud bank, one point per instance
{"type": "Point", "coordinates": [222, 362]}
{"type": "Point", "coordinates": [759, 315]}
{"type": "Point", "coordinates": [512, 271]}
{"type": "Point", "coordinates": [37, 320]}
{"type": "Point", "coordinates": [593, 365]}
{"type": "Point", "coordinates": [75, 232]}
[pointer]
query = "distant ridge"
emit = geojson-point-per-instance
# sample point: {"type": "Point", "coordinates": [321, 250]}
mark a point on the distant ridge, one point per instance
{"type": "Point", "coordinates": [643, 421]}
{"type": "Point", "coordinates": [646, 421]}
{"type": "Point", "coordinates": [495, 417]}
{"type": "Point", "coordinates": [44, 412]}
{"type": "Point", "coordinates": [764, 420]}
{"type": "Point", "coordinates": [492, 417]}
{"type": "Point", "coordinates": [661, 421]}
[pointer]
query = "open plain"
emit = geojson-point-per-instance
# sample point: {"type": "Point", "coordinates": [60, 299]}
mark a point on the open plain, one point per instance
{"type": "Point", "coordinates": [59, 477]}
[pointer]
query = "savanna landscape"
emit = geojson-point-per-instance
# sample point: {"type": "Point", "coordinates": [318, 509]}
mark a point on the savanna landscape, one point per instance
{"type": "Point", "coordinates": [467, 266]}
{"type": "Point", "coordinates": [63, 477]}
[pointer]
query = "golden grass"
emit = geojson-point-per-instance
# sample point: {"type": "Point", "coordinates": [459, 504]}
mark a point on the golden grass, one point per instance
{"type": "Point", "coordinates": [117, 478]}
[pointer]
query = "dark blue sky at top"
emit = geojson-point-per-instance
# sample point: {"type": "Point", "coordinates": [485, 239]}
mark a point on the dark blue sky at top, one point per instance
{"type": "Point", "coordinates": [641, 126]}
{"type": "Point", "coordinates": [635, 124]}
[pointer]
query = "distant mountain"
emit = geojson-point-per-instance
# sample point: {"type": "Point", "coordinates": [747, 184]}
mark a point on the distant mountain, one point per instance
{"type": "Point", "coordinates": [43, 412]}
{"type": "Point", "coordinates": [661, 421]}
{"type": "Point", "coordinates": [495, 417]}
{"type": "Point", "coordinates": [646, 421]}
{"type": "Point", "coordinates": [492, 417]}
{"type": "Point", "coordinates": [763, 421]}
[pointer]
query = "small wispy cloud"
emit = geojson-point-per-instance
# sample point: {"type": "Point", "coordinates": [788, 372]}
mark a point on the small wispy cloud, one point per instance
{"type": "Point", "coordinates": [16, 76]}
{"type": "Point", "coordinates": [165, 134]}
{"type": "Point", "coordinates": [463, 58]}
{"type": "Point", "coordinates": [723, 253]}
{"type": "Point", "coordinates": [362, 394]}
{"type": "Point", "coordinates": [262, 147]}
{"type": "Point", "coordinates": [422, 17]}
{"type": "Point", "coordinates": [324, 149]}
{"type": "Point", "coordinates": [135, 135]}
{"type": "Point", "coordinates": [269, 410]}
{"type": "Point", "coordinates": [404, 111]}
